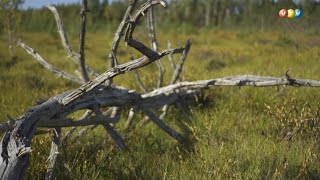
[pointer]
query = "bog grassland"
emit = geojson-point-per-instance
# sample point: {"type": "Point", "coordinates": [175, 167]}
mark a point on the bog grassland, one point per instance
{"type": "Point", "coordinates": [241, 133]}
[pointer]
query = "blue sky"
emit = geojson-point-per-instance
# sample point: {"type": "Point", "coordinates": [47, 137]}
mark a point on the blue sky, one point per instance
{"type": "Point", "coordinates": [41, 3]}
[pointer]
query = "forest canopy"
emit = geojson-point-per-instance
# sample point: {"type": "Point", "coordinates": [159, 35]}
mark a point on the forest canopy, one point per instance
{"type": "Point", "coordinates": [186, 13]}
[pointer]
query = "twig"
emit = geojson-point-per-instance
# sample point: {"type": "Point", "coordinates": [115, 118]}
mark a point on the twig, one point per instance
{"type": "Point", "coordinates": [45, 64]}
{"type": "Point", "coordinates": [83, 14]}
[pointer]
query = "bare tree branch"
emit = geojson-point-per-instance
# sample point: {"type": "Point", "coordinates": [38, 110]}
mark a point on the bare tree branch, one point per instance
{"type": "Point", "coordinates": [131, 65]}
{"type": "Point", "coordinates": [138, 15]}
{"type": "Point", "coordinates": [115, 112]}
{"type": "Point", "coordinates": [161, 124]}
{"type": "Point", "coordinates": [161, 72]}
{"type": "Point", "coordinates": [95, 120]}
{"type": "Point", "coordinates": [241, 80]}
{"type": "Point", "coordinates": [137, 76]}
{"type": "Point", "coordinates": [164, 95]}
{"type": "Point", "coordinates": [111, 131]}
{"type": "Point", "coordinates": [19, 140]}
{"type": "Point", "coordinates": [54, 153]}
{"type": "Point", "coordinates": [164, 112]}
{"type": "Point", "coordinates": [140, 84]}
{"type": "Point", "coordinates": [129, 119]}
{"type": "Point", "coordinates": [83, 14]}
{"type": "Point", "coordinates": [115, 136]}
{"type": "Point", "coordinates": [151, 54]}
{"type": "Point", "coordinates": [149, 57]}
{"type": "Point", "coordinates": [84, 130]}
{"type": "Point", "coordinates": [177, 72]}
{"type": "Point", "coordinates": [179, 67]}
{"type": "Point", "coordinates": [95, 95]}
{"type": "Point", "coordinates": [64, 39]}
{"type": "Point", "coordinates": [45, 64]}
{"type": "Point", "coordinates": [154, 45]}
{"type": "Point", "coordinates": [70, 132]}
{"type": "Point", "coordinates": [170, 57]}
{"type": "Point", "coordinates": [118, 35]}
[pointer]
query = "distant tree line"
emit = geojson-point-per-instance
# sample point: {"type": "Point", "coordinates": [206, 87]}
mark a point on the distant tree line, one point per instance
{"type": "Point", "coordinates": [189, 13]}
{"type": "Point", "coordinates": [236, 12]}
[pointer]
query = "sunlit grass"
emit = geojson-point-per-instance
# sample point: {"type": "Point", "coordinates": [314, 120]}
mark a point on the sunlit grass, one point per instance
{"type": "Point", "coordinates": [230, 137]}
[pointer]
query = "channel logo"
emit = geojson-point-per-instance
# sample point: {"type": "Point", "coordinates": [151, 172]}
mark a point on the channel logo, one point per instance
{"type": "Point", "coordinates": [290, 13]}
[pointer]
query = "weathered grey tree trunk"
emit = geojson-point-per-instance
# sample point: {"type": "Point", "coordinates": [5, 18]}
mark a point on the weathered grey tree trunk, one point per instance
{"type": "Point", "coordinates": [94, 94]}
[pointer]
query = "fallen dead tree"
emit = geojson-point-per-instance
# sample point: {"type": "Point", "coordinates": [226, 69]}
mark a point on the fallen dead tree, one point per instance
{"type": "Point", "coordinates": [97, 94]}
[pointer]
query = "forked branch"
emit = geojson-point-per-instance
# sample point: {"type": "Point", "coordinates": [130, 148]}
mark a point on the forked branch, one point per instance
{"type": "Point", "coordinates": [119, 34]}
{"type": "Point", "coordinates": [65, 42]}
